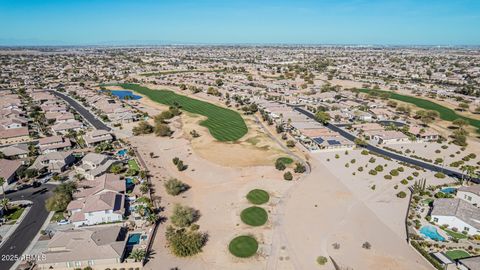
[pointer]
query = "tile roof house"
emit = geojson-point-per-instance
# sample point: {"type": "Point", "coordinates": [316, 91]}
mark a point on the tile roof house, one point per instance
{"type": "Point", "coordinates": [97, 136]}
{"type": "Point", "coordinates": [15, 151]}
{"type": "Point", "coordinates": [54, 161]}
{"type": "Point", "coordinates": [100, 248]}
{"type": "Point", "coordinates": [8, 170]}
{"type": "Point", "coordinates": [63, 128]}
{"type": "Point", "coordinates": [457, 213]}
{"type": "Point", "coordinates": [103, 207]}
{"type": "Point", "coordinates": [424, 133]}
{"type": "Point", "coordinates": [94, 165]}
{"type": "Point", "coordinates": [54, 144]}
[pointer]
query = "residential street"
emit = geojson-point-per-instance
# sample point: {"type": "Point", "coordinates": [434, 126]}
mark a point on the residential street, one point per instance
{"type": "Point", "coordinates": [18, 242]}
{"type": "Point", "coordinates": [93, 120]}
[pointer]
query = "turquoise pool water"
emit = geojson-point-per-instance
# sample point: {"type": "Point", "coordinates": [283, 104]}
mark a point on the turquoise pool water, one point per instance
{"type": "Point", "coordinates": [122, 152]}
{"type": "Point", "coordinates": [432, 233]}
{"type": "Point", "coordinates": [449, 190]}
{"type": "Point", "coordinates": [129, 181]}
{"type": "Point", "coordinates": [133, 239]}
{"type": "Point", "coordinates": [122, 94]}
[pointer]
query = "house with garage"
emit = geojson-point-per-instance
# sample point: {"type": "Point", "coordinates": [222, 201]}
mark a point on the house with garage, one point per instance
{"type": "Point", "coordinates": [456, 213]}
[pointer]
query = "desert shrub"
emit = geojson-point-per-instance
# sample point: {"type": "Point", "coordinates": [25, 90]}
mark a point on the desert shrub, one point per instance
{"type": "Point", "coordinates": [388, 177]}
{"type": "Point", "coordinates": [404, 182]}
{"type": "Point", "coordinates": [175, 186]}
{"type": "Point", "coordinates": [288, 176]}
{"type": "Point", "coordinates": [372, 172]}
{"type": "Point", "coordinates": [183, 242]}
{"type": "Point", "coordinates": [183, 216]}
{"type": "Point", "coordinates": [364, 152]}
{"type": "Point", "coordinates": [439, 175]}
{"type": "Point", "coordinates": [299, 168]}
{"type": "Point", "coordinates": [401, 194]}
{"type": "Point", "coordinates": [394, 172]}
{"type": "Point", "coordinates": [321, 260]}
{"type": "Point", "coordinates": [379, 168]}
{"type": "Point", "coordinates": [360, 169]}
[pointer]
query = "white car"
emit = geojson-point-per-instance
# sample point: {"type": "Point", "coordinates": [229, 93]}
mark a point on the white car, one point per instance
{"type": "Point", "coordinates": [63, 222]}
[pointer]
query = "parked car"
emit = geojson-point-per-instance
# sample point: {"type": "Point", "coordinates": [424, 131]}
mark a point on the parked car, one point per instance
{"type": "Point", "coordinates": [36, 184]}
{"type": "Point", "coordinates": [23, 186]}
{"type": "Point", "coordinates": [63, 222]}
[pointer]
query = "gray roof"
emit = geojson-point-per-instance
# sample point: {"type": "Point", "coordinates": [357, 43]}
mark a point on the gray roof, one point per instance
{"type": "Point", "coordinates": [13, 150]}
{"type": "Point", "coordinates": [457, 208]}
{"type": "Point", "coordinates": [472, 189]}
{"type": "Point", "coordinates": [472, 262]}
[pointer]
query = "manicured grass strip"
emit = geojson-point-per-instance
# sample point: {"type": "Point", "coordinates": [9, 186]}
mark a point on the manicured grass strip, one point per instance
{"type": "Point", "coordinates": [456, 235]}
{"type": "Point", "coordinates": [243, 246]}
{"type": "Point", "coordinates": [181, 71]}
{"type": "Point", "coordinates": [258, 196]}
{"type": "Point", "coordinates": [132, 164]}
{"type": "Point", "coordinates": [285, 160]}
{"type": "Point", "coordinates": [254, 216]}
{"type": "Point", "coordinates": [224, 124]}
{"type": "Point", "coordinates": [457, 254]}
{"type": "Point", "coordinates": [16, 214]}
{"type": "Point", "coordinates": [446, 114]}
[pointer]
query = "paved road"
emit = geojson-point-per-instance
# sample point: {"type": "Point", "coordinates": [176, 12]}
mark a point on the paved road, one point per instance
{"type": "Point", "coordinates": [19, 240]}
{"type": "Point", "coordinates": [94, 121]}
{"type": "Point", "coordinates": [392, 155]}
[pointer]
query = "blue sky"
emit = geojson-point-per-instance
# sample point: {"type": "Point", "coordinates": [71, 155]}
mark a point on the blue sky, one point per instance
{"type": "Point", "coordinates": [70, 22]}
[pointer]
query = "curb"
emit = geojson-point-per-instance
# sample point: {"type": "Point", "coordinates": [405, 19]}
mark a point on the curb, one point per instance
{"type": "Point", "coordinates": [14, 226]}
{"type": "Point", "coordinates": [35, 240]}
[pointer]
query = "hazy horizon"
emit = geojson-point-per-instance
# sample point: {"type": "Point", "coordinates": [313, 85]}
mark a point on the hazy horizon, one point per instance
{"type": "Point", "coordinates": [146, 22]}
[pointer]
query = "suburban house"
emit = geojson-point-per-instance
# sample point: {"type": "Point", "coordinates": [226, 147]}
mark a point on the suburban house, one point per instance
{"type": "Point", "coordinates": [469, 194]}
{"type": "Point", "coordinates": [471, 263]}
{"type": "Point", "coordinates": [424, 133]}
{"type": "Point", "coordinates": [54, 144]}
{"type": "Point", "coordinates": [54, 161]}
{"type": "Point", "coordinates": [98, 201]}
{"type": "Point", "coordinates": [63, 128]}
{"type": "Point", "coordinates": [8, 170]}
{"type": "Point", "coordinates": [99, 248]}
{"type": "Point", "coordinates": [15, 151]}
{"type": "Point", "coordinates": [94, 165]}
{"type": "Point", "coordinates": [457, 213]}
{"type": "Point", "coordinates": [388, 137]}
{"type": "Point", "coordinates": [95, 137]}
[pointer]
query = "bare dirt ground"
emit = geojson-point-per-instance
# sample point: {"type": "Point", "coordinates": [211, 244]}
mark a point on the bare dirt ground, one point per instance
{"type": "Point", "coordinates": [306, 216]}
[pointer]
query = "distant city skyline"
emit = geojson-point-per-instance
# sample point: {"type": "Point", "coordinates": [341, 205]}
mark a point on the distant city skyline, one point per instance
{"type": "Point", "coordinates": [142, 22]}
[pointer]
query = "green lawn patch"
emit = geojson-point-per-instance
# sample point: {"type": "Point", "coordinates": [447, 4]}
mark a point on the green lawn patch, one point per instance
{"type": "Point", "coordinates": [254, 216]}
{"type": "Point", "coordinates": [456, 235]}
{"type": "Point", "coordinates": [457, 254]}
{"type": "Point", "coordinates": [14, 213]}
{"type": "Point", "coordinates": [133, 165]}
{"type": "Point", "coordinates": [285, 160]}
{"type": "Point", "coordinates": [446, 114]}
{"type": "Point", "coordinates": [258, 196]}
{"type": "Point", "coordinates": [224, 124]}
{"type": "Point", "coordinates": [243, 246]}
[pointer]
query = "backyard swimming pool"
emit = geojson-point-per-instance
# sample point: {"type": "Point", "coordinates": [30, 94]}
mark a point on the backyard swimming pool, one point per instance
{"type": "Point", "coordinates": [432, 233]}
{"type": "Point", "coordinates": [122, 152]}
{"type": "Point", "coordinates": [133, 239]}
{"type": "Point", "coordinates": [448, 190]}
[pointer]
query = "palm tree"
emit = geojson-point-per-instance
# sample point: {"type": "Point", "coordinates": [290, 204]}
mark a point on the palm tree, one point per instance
{"type": "Point", "coordinates": [138, 255]}
{"type": "Point", "coordinates": [151, 218]}
{"type": "Point", "coordinates": [4, 203]}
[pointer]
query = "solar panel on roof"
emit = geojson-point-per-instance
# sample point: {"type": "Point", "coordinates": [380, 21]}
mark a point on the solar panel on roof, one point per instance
{"type": "Point", "coordinates": [333, 142]}
{"type": "Point", "coordinates": [318, 140]}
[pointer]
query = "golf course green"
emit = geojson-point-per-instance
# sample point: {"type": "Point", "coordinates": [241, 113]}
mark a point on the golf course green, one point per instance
{"type": "Point", "coordinates": [258, 196]}
{"type": "Point", "coordinates": [224, 124]}
{"type": "Point", "coordinates": [243, 246]}
{"type": "Point", "coordinates": [446, 114]}
{"type": "Point", "coordinates": [254, 216]}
